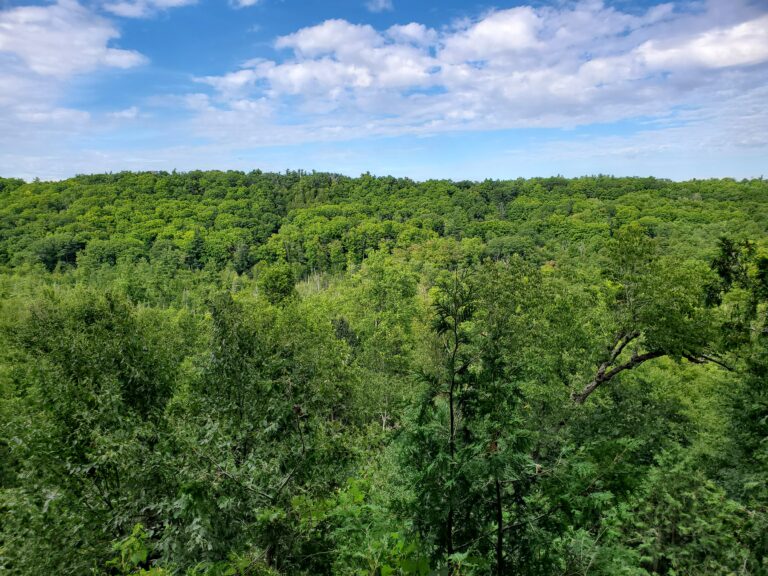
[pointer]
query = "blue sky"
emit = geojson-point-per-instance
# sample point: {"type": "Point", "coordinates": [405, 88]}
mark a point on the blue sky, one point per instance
{"type": "Point", "coordinates": [450, 89]}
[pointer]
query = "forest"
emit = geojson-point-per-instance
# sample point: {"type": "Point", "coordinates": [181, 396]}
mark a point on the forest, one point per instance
{"type": "Point", "coordinates": [300, 373]}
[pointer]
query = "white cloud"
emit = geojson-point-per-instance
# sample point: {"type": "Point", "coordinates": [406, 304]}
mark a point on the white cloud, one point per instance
{"type": "Point", "coordinates": [147, 8]}
{"type": "Point", "coordinates": [721, 138]}
{"type": "Point", "coordinates": [143, 8]}
{"type": "Point", "coordinates": [412, 33]}
{"type": "Point", "coordinates": [558, 66]}
{"type": "Point", "coordinates": [52, 115]}
{"type": "Point", "coordinates": [62, 39]}
{"type": "Point", "coordinates": [332, 36]}
{"type": "Point", "coordinates": [379, 5]}
{"type": "Point", "coordinates": [741, 45]}
{"type": "Point", "coordinates": [333, 60]}
{"type": "Point", "coordinates": [232, 83]}
{"type": "Point", "coordinates": [498, 35]}
{"type": "Point", "coordinates": [324, 76]}
{"type": "Point", "coordinates": [42, 48]}
{"type": "Point", "coordinates": [126, 114]}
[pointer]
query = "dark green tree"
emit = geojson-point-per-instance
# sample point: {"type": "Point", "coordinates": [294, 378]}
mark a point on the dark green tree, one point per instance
{"type": "Point", "coordinates": [195, 256]}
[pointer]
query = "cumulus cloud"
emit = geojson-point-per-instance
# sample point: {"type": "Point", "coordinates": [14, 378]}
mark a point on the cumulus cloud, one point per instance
{"type": "Point", "coordinates": [331, 37]}
{"type": "Point", "coordinates": [61, 40]}
{"type": "Point", "coordinates": [500, 35]}
{"type": "Point", "coordinates": [741, 45]}
{"type": "Point", "coordinates": [41, 49]}
{"type": "Point", "coordinates": [552, 66]}
{"type": "Point", "coordinates": [412, 33]}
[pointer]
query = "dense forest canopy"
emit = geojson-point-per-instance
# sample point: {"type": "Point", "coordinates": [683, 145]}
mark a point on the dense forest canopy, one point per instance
{"type": "Point", "coordinates": [305, 373]}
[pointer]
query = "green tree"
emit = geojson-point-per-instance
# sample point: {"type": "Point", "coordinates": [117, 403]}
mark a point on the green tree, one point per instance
{"type": "Point", "coordinates": [57, 249]}
{"type": "Point", "coordinates": [261, 427]}
{"type": "Point", "coordinates": [679, 522]}
{"type": "Point", "coordinates": [92, 377]}
{"type": "Point", "coordinates": [195, 256]}
{"type": "Point", "coordinates": [277, 282]}
{"type": "Point", "coordinates": [656, 308]}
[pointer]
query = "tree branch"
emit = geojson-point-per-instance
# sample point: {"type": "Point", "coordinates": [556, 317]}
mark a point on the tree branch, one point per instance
{"type": "Point", "coordinates": [603, 376]}
{"type": "Point", "coordinates": [703, 359]}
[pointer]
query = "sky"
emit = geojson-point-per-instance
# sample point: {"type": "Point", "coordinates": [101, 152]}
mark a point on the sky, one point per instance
{"type": "Point", "coordinates": [440, 89]}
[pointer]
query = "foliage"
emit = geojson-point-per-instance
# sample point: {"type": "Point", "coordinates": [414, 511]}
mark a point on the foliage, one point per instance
{"type": "Point", "coordinates": [227, 373]}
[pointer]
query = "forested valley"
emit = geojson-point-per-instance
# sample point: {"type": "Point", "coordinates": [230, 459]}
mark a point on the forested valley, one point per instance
{"type": "Point", "coordinates": [228, 373]}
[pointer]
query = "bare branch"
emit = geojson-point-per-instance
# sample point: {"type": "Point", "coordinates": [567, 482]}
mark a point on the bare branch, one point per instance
{"type": "Point", "coordinates": [606, 376]}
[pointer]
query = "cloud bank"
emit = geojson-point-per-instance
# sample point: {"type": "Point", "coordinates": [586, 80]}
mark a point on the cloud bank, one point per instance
{"type": "Point", "coordinates": [518, 68]}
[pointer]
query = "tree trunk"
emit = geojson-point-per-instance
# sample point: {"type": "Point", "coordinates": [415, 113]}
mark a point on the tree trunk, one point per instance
{"type": "Point", "coordinates": [499, 530]}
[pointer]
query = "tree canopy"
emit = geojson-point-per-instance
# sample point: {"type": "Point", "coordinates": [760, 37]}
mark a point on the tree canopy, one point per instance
{"type": "Point", "coordinates": [213, 373]}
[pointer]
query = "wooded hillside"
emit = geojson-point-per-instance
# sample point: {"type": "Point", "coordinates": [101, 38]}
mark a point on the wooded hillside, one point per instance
{"type": "Point", "coordinates": [304, 373]}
